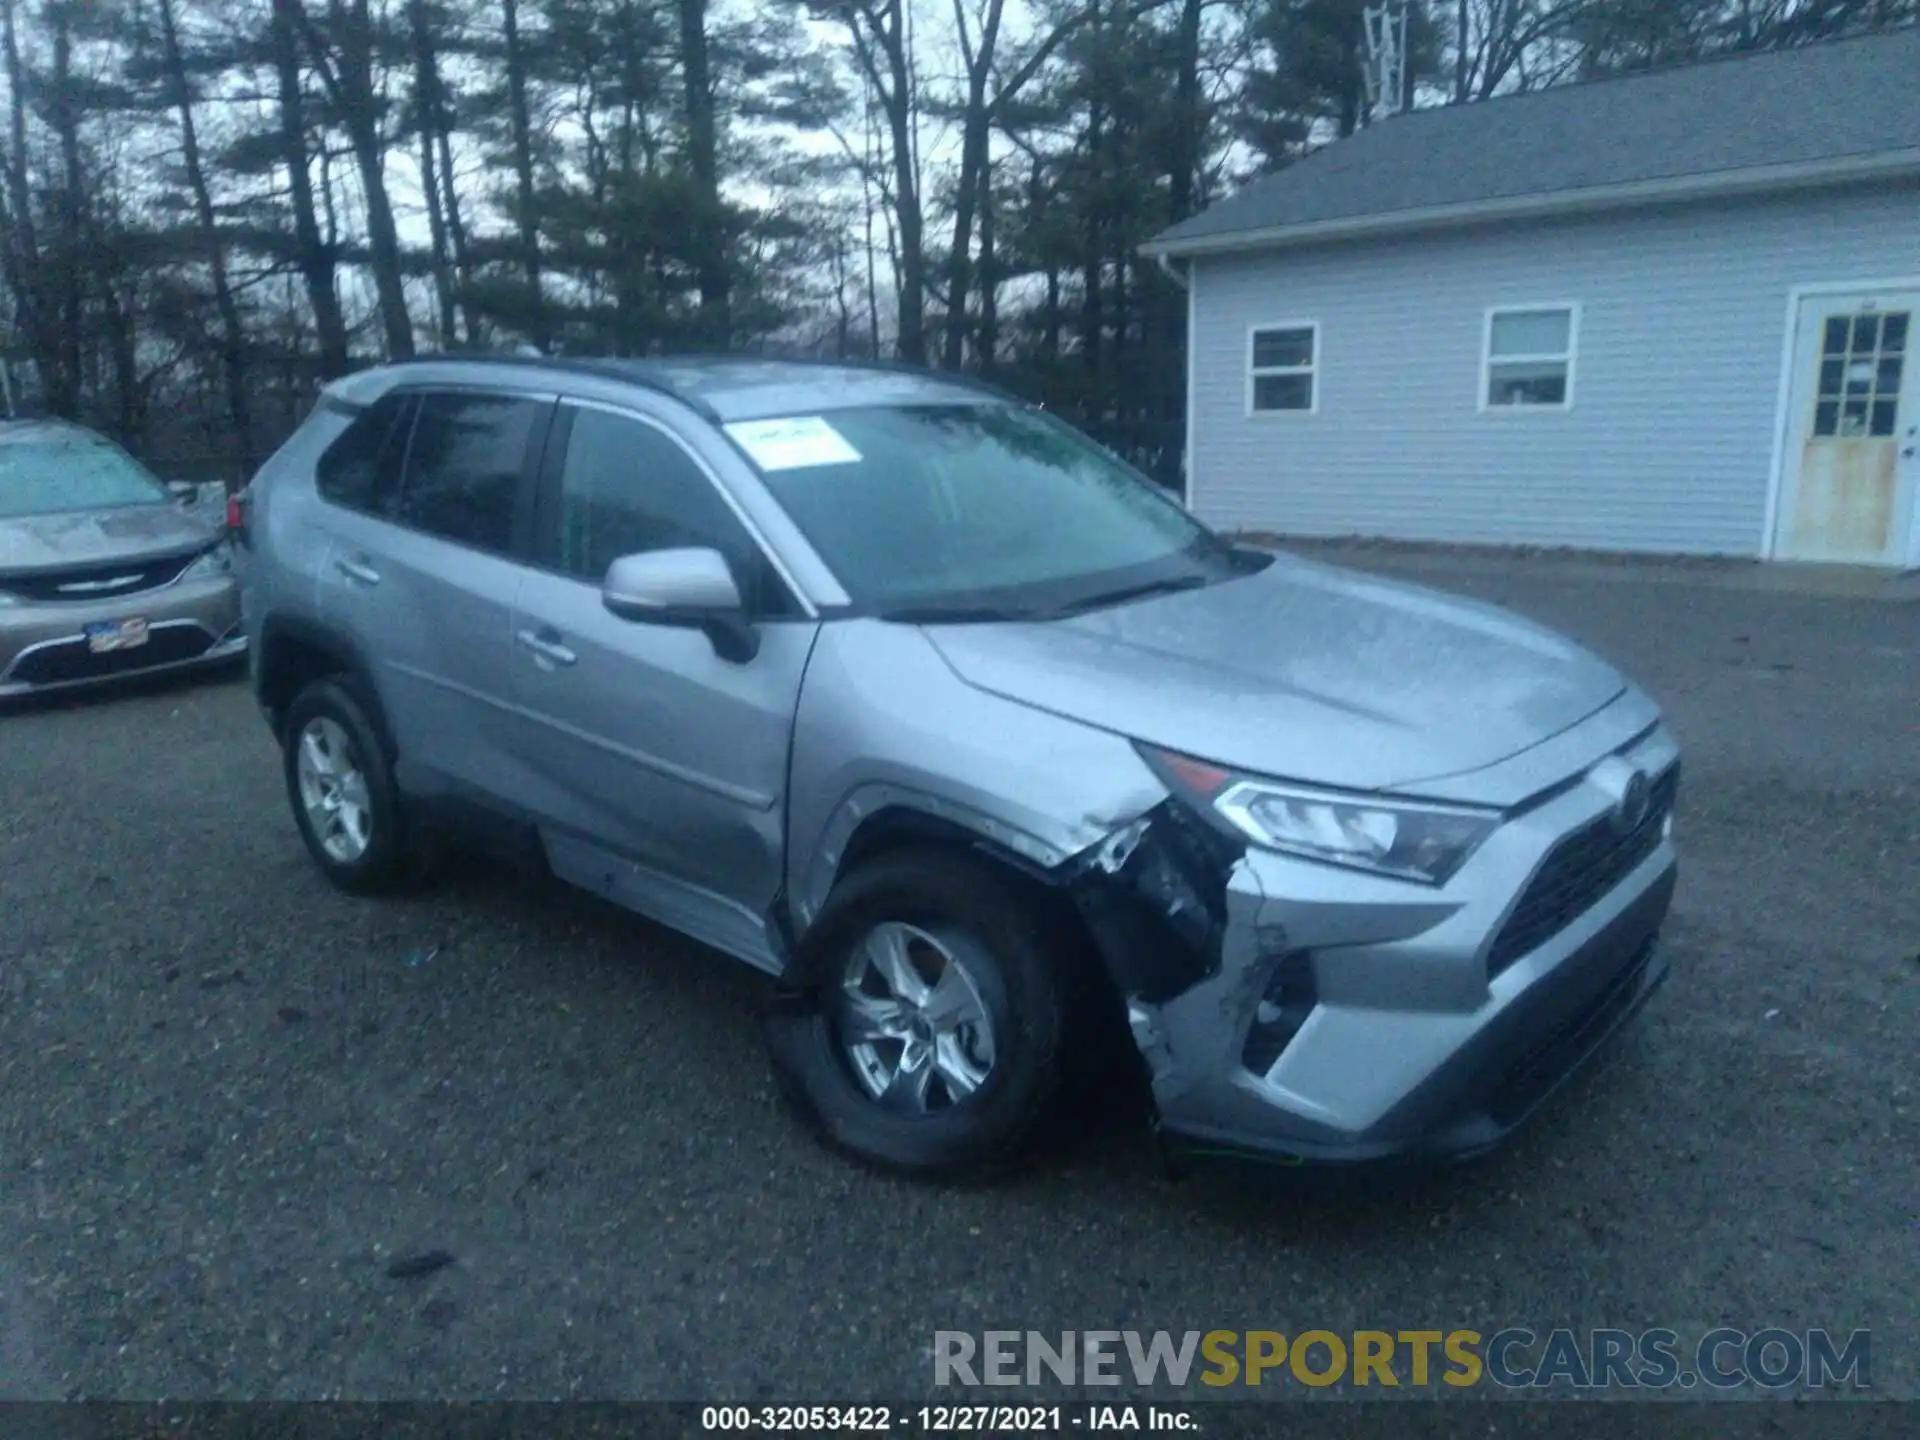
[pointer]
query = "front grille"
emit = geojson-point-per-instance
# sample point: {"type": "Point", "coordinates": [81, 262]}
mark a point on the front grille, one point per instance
{"type": "Point", "coordinates": [59, 664]}
{"type": "Point", "coordinates": [99, 582]}
{"type": "Point", "coordinates": [1578, 872]}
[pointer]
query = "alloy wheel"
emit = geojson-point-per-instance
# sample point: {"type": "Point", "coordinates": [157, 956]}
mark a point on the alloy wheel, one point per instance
{"type": "Point", "coordinates": [912, 1023]}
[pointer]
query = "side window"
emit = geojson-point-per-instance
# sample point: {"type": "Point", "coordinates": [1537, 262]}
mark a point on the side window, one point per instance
{"type": "Point", "coordinates": [628, 487]}
{"type": "Point", "coordinates": [464, 466]}
{"type": "Point", "coordinates": [361, 469]}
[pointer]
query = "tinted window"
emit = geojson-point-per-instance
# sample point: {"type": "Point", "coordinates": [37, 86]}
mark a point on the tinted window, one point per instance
{"type": "Point", "coordinates": [627, 487]}
{"type": "Point", "coordinates": [464, 466]}
{"type": "Point", "coordinates": [361, 469]}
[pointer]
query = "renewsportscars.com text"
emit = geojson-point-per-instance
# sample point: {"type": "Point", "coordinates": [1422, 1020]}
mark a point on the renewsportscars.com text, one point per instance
{"type": "Point", "coordinates": [1514, 1358]}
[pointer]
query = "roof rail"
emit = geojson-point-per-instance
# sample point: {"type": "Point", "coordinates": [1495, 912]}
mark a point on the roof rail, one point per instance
{"type": "Point", "coordinates": [634, 372]}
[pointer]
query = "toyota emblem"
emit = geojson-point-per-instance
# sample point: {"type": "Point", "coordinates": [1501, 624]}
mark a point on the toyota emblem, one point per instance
{"type": "Point", "coordinates": [1635, 801]}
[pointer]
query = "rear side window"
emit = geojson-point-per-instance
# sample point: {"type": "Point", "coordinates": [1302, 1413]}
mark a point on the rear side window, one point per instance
{"type": "Point", "coordinates": [361, 468]}
{"type": "Point", "coordinates": [465, 465]}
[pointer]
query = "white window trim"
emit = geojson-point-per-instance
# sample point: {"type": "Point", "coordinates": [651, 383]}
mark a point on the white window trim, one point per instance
{"type": "Point", "coordinates": [1312, 372]}
{"type": "Point", "coordinates": [1571, 357]}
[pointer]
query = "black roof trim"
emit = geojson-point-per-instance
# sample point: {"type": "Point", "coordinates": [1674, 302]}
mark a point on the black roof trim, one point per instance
{"type": "Point", "coordinates": [634, 372]}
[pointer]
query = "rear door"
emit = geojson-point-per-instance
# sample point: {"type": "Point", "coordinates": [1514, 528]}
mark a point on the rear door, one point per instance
{"type": "Point", "coordinates": [424, 576]}
{"type": "Point", "coordinates": [661, 768]}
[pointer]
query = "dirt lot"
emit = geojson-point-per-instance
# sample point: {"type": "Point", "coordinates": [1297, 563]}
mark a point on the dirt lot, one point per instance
{"type": "Point", "coordinates": [230, 1098]}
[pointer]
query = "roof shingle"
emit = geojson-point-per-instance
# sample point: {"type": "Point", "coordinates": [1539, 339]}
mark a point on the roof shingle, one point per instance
{"type": "Point", "coordinates": [1814, 103]}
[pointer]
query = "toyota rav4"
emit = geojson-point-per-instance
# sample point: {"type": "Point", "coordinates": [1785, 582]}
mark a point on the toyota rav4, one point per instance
{"type": "Point", "coordinates": [912, 697]}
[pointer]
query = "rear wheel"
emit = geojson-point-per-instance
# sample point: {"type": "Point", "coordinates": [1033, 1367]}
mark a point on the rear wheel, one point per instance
{"type": "Point", "coordinates": [925, 1035]}
{"type": "Point", "coordinates": [342, 791]}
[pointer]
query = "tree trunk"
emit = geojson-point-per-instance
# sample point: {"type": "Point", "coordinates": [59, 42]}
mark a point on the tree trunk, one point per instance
{"type": "Point", "coordinates": [123, 350]}
{"type": "Point", "coordinates": [906, 190]}
{"type": "Point", "coordinates": [526, 218]}
{"type": "Point", "coordinates": [987, 338]}
{"type": "Point", "coordinates": [1184, 170]}
{"type": "Point", "coordinates": [1093, 269]}
{"type": "Point", "coordinates": [314, 257]}
{"type": "Point", "coordinates": [457, 239]}
{"type": "Point", "coordinates": [233, 347]}
{"type": "Point", "coordinates": [975, 134]}
{"type": "Point", "coordinates": [1462, 55]}
{"type": "Point", "coordinates": [431, 116]}
{"type": "Point", "coordinates": [24, 260]}
{"type": "Point", "coordinates": [873, 277]}
{"type": "Point", "coordinates": [709, 225]}
{"type": "Point", "coordinates": [350, 86]}
{"type": "Point", "coordinates": [63, 116]}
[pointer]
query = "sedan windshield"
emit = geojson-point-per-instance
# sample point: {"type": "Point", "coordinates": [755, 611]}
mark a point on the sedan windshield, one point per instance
{"type": "Point", "coordinates": [46, 474]}
{"type": "Point", "coordinates": [977, 512]}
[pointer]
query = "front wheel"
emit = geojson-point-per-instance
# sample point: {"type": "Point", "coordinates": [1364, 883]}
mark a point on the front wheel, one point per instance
{"type": "Point", "coordinates": [925, 1035]}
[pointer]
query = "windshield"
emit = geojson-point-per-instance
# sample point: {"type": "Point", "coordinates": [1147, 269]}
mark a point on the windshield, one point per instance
{"type": "Point", "coordinates": [47, 474]}
{"type": "Point", "coordinates": [976, 511]}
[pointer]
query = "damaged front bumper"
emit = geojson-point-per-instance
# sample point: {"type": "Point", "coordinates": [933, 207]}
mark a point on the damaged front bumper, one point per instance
{"type": "Point", "coordinates": [1302, 1012]}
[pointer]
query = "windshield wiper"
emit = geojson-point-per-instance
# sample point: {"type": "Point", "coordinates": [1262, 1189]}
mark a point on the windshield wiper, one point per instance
{"type": "Point", "coordinates": [1169, 586]}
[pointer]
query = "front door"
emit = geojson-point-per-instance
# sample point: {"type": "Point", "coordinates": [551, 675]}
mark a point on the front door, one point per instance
{"type": "Point", "coordinates": [657, 767]}
{"type": "Point", "coordinates": [1852, 462]}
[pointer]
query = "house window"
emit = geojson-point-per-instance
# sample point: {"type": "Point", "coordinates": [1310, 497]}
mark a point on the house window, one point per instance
{"type": "Point", "coordinates": [1529, 359]}
{"type": "Point", "coordinates": [1281, 362]}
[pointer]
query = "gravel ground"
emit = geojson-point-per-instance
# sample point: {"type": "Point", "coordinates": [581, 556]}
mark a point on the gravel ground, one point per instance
{"type": "Point", "coordinates": [231, 1100]}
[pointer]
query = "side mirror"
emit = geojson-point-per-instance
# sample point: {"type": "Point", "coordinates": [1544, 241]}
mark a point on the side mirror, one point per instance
{"type": "Point", "coordinates": [194, 494]}
{"type": "Point", "coordinates": [692, 588]}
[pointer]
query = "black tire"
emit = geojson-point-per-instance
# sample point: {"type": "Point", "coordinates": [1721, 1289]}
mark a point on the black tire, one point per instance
{"type": "Point", "coordinates": [1011, 946]}
{"type": "Point", "coordinates": [389, 860]}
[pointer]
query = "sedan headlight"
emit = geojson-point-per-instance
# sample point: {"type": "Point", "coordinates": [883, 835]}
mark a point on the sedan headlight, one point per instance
{"type": "Point", "coordinates": [1408, 839]}
{"type": "Point", "coordinates": [214, 565]}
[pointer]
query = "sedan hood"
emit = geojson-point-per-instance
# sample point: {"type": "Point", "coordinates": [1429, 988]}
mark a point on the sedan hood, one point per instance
{"type": "Point", "coordinates": [35, 544]}
{"type": "Point", "coordinates": [1301, 671]}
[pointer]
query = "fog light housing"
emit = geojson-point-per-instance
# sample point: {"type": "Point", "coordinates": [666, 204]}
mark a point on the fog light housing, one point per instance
{"type": "Point", "coordinates": [1290, 997]}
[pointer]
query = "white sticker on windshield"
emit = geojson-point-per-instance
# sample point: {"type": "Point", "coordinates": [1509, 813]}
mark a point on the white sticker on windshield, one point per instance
{"type": "Point", "coordinates": [793, 444]}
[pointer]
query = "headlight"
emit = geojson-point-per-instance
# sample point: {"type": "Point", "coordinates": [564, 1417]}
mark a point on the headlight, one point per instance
{"type": "Point", "coordinates": [216, 563]}
{"type": "Point", "coordinates": [6, 599]}
{"type": "Point", "coordinates": [1410, 839]}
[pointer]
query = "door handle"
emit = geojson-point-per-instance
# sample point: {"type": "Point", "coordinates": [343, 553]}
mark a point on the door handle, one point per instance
{"type": "Point", "coordinates": [548, 651]}
{"type": "Point", "coordinates": [358, 571]}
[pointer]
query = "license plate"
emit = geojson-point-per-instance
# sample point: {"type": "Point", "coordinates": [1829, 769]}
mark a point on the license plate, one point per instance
{"type": "Point", "coordinates": [105, 635]}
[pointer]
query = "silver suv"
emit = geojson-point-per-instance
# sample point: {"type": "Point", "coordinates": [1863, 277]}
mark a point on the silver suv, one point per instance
{"type": "Point", "coordinates": [912, 697]}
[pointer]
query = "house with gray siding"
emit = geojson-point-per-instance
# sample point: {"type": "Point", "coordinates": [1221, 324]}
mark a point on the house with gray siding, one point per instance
{"type": "Point", "coordinates": [1673, 312]}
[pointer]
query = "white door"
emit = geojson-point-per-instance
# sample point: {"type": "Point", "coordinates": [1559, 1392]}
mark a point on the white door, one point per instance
{"type": "Point", "coordinates": [1852, 462]}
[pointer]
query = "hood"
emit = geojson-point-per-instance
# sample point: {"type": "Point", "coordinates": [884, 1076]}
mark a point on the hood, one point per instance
{"type": "Point", "coordinates": [1301, 671]}
{"type": "Point", "coordinates": [37, 543]}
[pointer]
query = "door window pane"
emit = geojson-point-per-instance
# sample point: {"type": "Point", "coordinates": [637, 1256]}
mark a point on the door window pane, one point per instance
{"type": "Point", "coordinates": [464, 467]}
{"type": "Point", "coordinates": [361, 469]}
{"type": "Point", "coordinates": [1862, 365]}
{"type": "Point", "coordinates": [628, 487]}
